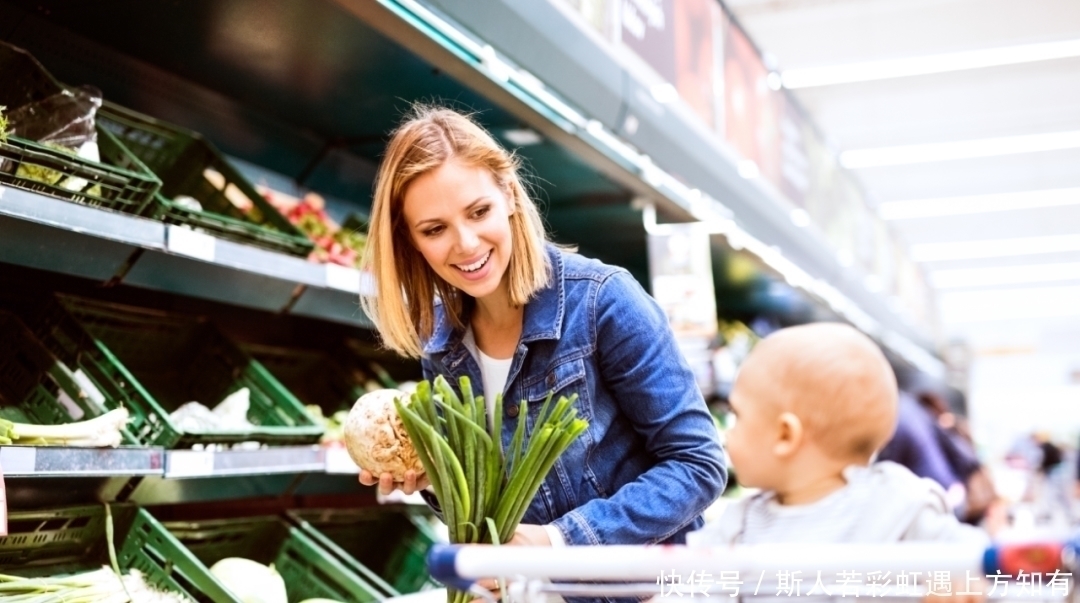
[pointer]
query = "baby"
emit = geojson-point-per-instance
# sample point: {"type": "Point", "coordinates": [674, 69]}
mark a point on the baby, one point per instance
{"type": "Point", "coordinates": [813, 404]}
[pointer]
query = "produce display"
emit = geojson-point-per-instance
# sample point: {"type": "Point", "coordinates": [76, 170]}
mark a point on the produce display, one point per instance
{"type": "Point", "coordinates": [483, 489]}
{"type": "Point", "coordinates": [333, 243]}
{"type": "Point", "coordinates": [99, 586]}
{"type": "Point", "coordinates": [103, 431]}
{"type": "Point", "coordinates": [250, 581]}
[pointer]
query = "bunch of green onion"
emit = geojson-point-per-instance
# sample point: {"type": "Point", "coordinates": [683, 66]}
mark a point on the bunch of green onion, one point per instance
{"type": "Point", "coordinates": [97, 586]}
{"type": "Point", "coordinates": [103, 431]}
{"type": "Point", "coordinates": [483, 490]}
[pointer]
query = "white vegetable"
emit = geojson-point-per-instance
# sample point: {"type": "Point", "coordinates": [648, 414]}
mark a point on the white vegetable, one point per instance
{"type": "Point", "coordinates": [250, 581]}
{"type": "Point", "coordinates": [376, 439]}
{"type": "Point", "coordinates": [101, 431]}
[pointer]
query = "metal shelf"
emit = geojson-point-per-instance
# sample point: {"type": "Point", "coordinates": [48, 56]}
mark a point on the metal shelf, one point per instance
{"type": "Point", "coordinates": [46, 233]}
{"type": "Point", "coordinates": [46, 461]}
{"type": "Point", "coordinates": [264, 461]}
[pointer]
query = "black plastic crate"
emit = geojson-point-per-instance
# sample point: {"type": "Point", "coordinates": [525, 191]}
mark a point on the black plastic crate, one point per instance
{"type": "Point", "coordinates": [152, 362]}
{"type": "Point", "coordinates": [73, 539]}
{"type": "Point", "coordinates": [118, 182]}
{"type": "Point", "coordinates": [191, 166]}
{"type": "Point", "coordinates": [392, 541]}
{"type": "Point", "coordinates": [308, 569]}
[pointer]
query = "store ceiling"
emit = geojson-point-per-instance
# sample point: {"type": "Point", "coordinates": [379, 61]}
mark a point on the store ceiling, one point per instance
{"type": "Point", "coordinates": [1023, 292]}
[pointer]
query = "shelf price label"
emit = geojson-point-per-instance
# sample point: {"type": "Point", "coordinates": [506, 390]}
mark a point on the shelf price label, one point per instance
{"type": "Point", "coordinates": [185, 241]}
{"type": "Point", "coordinates": [339, 461]}
{"type": "Point", "coordinates": [189, 463]}
{"type": "Point", "coordinates": [342, 278]}
{"type": "Point", "coordinates": [3, 503]}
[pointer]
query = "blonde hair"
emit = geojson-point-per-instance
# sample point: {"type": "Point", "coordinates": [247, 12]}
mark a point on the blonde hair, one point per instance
{"type": "Point", "coordinates": [839, 384]}
{"type": "Point", "coordinates": [404, 308]}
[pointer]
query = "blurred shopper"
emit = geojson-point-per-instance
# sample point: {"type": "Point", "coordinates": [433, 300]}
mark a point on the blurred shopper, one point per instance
{"type": "Point", "coordinates": [934, 442]}
{"type": "Point", "coordinates": [807, 427]}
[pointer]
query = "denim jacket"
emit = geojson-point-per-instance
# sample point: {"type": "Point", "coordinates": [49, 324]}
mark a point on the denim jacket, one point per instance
{"type": "Point", "coordinates": [650, 462]}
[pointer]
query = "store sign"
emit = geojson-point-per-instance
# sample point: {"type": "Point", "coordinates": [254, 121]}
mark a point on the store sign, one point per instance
{"type": "Point", "coordinates": [680, 268]}
{"type": "Point", "coordinates": [647, 27]}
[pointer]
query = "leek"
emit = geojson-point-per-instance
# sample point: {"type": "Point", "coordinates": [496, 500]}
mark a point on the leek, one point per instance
{"type": "Point", "coordinates": [483, 491]}
{"type": "Point", "coordinates": [103, 431]}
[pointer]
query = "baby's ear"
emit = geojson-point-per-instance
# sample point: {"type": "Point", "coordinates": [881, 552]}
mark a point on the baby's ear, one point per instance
{"type": "Point", "coordinates": [790, 435]}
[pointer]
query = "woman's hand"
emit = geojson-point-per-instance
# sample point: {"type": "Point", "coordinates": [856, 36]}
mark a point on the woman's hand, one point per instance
{"type": "Point", "coordinates": [528, 534]}
{"type": "Point", "coordinates": [414, 482]}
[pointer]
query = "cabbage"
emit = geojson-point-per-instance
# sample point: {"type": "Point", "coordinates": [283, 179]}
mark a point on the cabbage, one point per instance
{"type": "Point", "coordinates": [249, 581]}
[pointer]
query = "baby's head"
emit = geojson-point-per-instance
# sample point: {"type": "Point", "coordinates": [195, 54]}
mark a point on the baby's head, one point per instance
{"type": "Point", "coordinates": [821, 394]}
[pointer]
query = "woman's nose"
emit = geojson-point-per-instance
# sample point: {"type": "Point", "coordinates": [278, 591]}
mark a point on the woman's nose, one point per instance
{"type": "Point", "coordinates": [467, 240]}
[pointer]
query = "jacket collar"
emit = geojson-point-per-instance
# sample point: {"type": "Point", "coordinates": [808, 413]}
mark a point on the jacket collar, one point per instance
{"type": "Point", "coordinates": [543, 313]}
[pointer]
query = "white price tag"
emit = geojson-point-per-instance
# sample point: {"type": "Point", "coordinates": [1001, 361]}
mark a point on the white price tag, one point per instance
{"type": "Point", "coordinates": [189, 463]}
{"type": "Point", "coordinates": [90, 389]}
{"type": "Point", "coordinates": [74, 410]}
{"type": "Point", "coordinates": [343, 278]}
{"type": "Point", "coordinates": [3, 505]}
{"type": "Point", "coordinates": [339, 461]}
{"type": "Point", "coordinates": [185, 241]}
{"type": "Point", "coordinates": [367, 284]}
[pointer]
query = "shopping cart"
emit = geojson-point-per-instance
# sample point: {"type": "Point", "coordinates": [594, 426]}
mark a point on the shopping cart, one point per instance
{"type": "Point", "coordinates": [1026, 571]}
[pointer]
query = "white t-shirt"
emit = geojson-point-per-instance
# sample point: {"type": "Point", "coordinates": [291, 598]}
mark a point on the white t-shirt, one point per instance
{"type": "Point", "coordinates": [884, 502]}
{"type": "Point", "coordinates": [494, 373]}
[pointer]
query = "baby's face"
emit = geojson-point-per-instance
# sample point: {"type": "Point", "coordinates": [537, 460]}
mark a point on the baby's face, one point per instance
{"type": "Point", "coordinates": [750, 442]}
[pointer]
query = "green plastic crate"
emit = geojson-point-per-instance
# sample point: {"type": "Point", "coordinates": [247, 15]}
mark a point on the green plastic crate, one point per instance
{"type": "Point", "coordinates": [35, 387]}
{"type": "Point", "coordinates": [119, 182]}
{"type": "Point", "coordinates": [152, 362]}
{"type": "Point", "coordinates": [392, 541]}
{"type": "Point", "coordinates": [72, 539]}
{"type": "Point", "coordinates": [309, 570]}
{"type": "Point", "coordinates": [189, 165]}
{"type": "Point", "coordinates": [314, 376]}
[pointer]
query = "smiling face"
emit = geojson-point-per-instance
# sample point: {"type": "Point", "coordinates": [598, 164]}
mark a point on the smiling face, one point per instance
{"type": "Point", "coordinates": [458, 218]}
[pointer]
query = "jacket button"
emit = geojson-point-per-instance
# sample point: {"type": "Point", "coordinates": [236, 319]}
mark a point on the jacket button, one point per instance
{"type": "Point", "coordinates": [513, 410]}
{"type": "Point", "coordinates": [551, 380]}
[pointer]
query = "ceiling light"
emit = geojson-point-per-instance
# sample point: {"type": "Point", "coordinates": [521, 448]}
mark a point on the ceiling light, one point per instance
{"type": "Point", "coordinates": [873, 283]}
{"type": "Point", "coordinates": [994, 248]}
{"type": "Point", "coordinates": [664, 93]}
{"type": "Point", "coordinates": [960, 149]}
{"type": "Point", "coordinates": [749, 169]}
{"type": "Point", "coordinates": [940, 63]}
{"type": "Point", "coordinates": [951, 206]}
{"type": "Point", "coordinates": [1004, 304]}
{"type": "Point", "coordinates": [1004, 275]}
{"type": "Point", "coordinates": [522, 137]}
{"type": "Point", "coordinates": [800, 217]}
{"type": "Point", "coordinates": [774, 80]}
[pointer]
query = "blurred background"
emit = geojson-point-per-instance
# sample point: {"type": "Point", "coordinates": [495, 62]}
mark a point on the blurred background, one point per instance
{"type": "Point", "coordinates": [202, 185]}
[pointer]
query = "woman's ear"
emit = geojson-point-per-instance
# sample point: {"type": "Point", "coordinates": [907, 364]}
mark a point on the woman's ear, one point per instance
{"type": "Point", "coordinates": [790, 436]}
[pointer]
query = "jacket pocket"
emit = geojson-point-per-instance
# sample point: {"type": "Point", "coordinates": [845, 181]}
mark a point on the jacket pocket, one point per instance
{"type": "Point", "coordinates": [564, 379]}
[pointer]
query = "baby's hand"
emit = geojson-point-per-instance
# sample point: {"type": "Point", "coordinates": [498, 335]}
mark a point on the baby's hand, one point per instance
{"type": "Point", "coordinates": [413, 482]}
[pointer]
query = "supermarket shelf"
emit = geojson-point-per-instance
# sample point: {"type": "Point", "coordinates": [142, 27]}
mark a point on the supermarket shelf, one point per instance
{"type": "Point", "coordinates": [338, 462]}
{"type": "Point", "coordinates": [265, 461]}
{"type": "Point", "coordinates": [42, 461]}
{"type": "Point", "coordinates": [59, 236]}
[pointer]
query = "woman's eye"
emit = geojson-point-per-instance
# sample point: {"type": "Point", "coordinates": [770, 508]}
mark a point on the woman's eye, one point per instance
{"type": "Point", "coordinates": [433, 232]}
{"type": "Point", "coordinates": [481, 212]}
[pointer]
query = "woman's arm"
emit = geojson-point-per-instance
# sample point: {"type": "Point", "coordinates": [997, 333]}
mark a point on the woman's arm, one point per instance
{"type": "Point", "coordinates": [655, 389]}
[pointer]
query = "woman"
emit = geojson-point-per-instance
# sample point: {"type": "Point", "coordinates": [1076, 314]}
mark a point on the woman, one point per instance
{"type": "Point", "coordinates": [468, 282]}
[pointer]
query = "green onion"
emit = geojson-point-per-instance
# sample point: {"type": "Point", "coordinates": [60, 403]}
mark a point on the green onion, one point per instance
{"type": "Point", "coordinates": [483, 490]}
